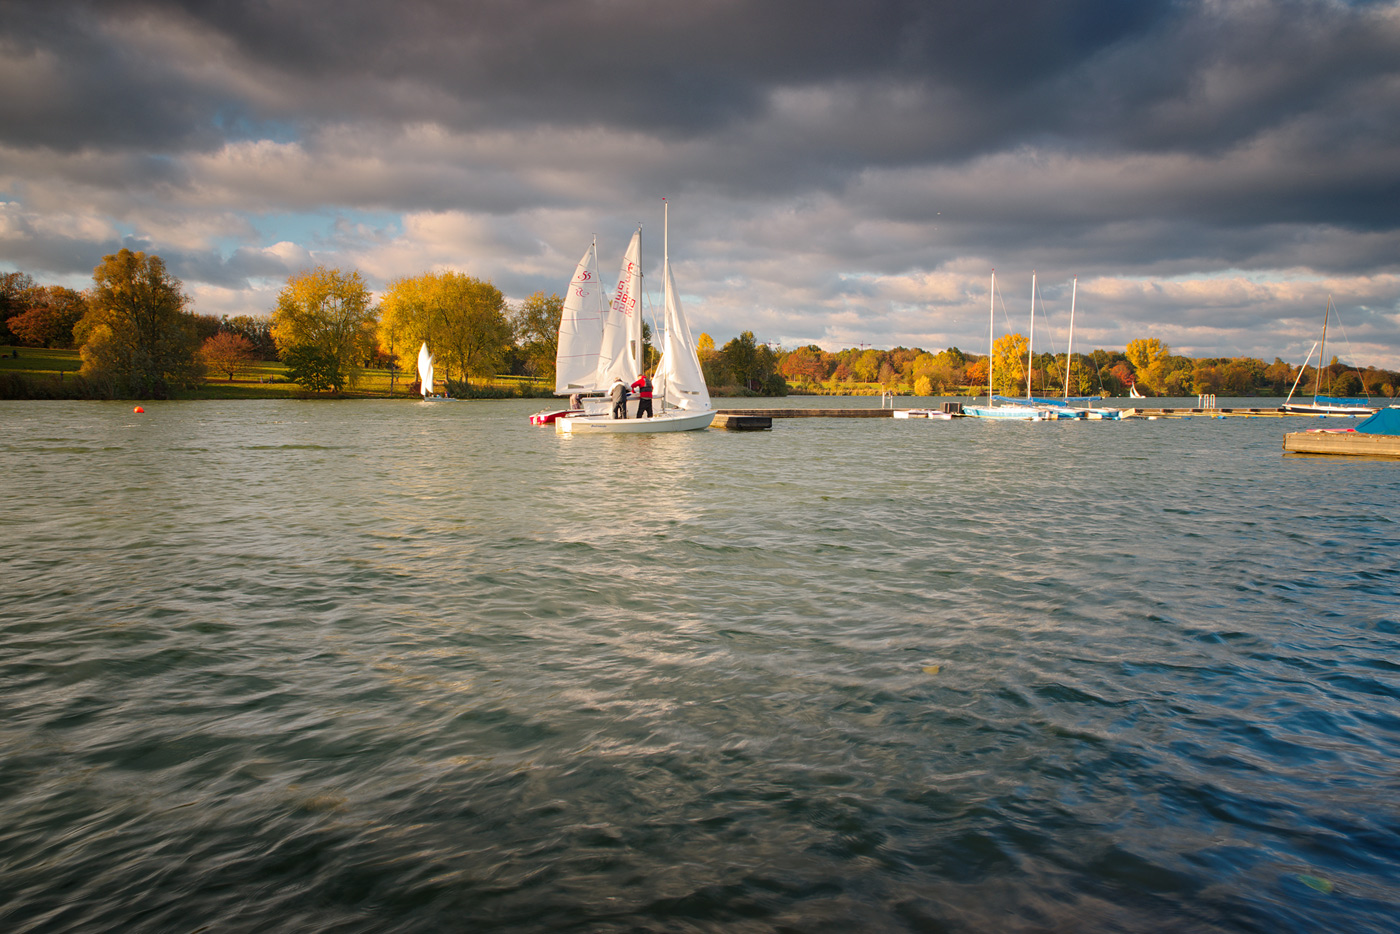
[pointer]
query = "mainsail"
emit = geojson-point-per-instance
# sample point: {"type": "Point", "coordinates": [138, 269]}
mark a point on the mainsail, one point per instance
{"type": "Point", "coordinates": [678, 375]}
{"type": "Point", "coordinates": [622, 325]}
{"type": "Point", "coordinates": [425, 370]}
{"type": "Point", "coordinates": [580, 328]}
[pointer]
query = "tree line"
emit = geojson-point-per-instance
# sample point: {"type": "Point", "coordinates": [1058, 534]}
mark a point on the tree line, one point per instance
{"type": "Point", "coordinates": [137, 337]}
{"type": "Point", "coordinates": [1145, 363]}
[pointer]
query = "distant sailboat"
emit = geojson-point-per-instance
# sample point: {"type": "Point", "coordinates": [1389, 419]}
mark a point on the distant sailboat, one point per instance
{"type": "Point", "coordinates": [425, 371]}
{"type": "Point", "coordinates": [1322, 404]}
{"type": "Point", "coordinates": [1133, 393]}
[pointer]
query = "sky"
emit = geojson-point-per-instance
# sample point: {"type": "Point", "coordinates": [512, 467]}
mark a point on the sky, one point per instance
{"type": "Point", "coordinates": [840, 173]}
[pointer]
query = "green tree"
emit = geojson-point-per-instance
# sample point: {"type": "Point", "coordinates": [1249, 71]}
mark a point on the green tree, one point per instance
{"type": "Point", "coordinates": [866, 367]}
{"type": "Point", "coordinates": [740, 359]}
{"type": "Point", "coordinates": [315, 369]}
{"type": "Point", "coordinates": [537, 331]}
{"type": "Point", "coordinates": [136, 336]}
{"type": "Point", "coordinates": [13, 285]}
{"type": "Point", "coordinates": [329, 310]}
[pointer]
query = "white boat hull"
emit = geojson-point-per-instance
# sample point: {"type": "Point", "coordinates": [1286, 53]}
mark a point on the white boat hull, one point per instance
{"type": "Point", "coordinates": [674, 420]}
{"type": "Point", "coordinates": [921, 413]}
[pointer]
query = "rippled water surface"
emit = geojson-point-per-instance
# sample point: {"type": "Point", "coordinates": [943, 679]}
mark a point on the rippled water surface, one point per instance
{"type": "Point", "coordinates": [394, 666]}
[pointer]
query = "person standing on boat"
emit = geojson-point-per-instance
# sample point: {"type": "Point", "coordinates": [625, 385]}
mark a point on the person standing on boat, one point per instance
{"type": "Point", "coordinates": [618, 394]}
{"type": "Point", "coordinates": [642, 387]}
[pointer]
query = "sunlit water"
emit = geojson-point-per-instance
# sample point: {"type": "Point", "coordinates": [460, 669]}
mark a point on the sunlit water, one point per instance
{"type": "Point", "coordinates": [396, 666]}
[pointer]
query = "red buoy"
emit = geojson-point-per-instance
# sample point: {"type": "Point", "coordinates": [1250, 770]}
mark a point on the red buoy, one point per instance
{"type": "Point", "coordinates": [139, 410]}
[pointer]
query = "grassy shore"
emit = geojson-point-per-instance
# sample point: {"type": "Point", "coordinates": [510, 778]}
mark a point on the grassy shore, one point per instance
{"type": "Point", "coordinates": [261, 380]}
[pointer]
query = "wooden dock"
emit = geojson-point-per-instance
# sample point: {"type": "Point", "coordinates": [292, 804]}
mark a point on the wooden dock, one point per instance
{"type": "Point", "coordinates": [741, 421]}
{"type": "Point", "coordinates": [1207, 413]}
{"type": "Point", "coordinates": [807, 413]}
{"type": "Point", "coordinates": [1348, 443]}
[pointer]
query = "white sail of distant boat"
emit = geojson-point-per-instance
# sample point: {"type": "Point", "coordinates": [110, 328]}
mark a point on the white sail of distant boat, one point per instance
{"type": "Point", "coordinates": [679, 384]}
{"type": "Point", "coordinates": [678, 374]}
{"type": "Point", "coordinates": [425, 371]}
{"type": "Point", "coordinates": [619, 356]}
{"type": "Point", "coordinates": [1133, 393]}
{"type": "Point", "coordinates": [580, 329]}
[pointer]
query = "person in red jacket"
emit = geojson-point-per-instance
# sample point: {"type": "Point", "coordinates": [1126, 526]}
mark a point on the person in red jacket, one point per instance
{"type": "Point", "coordinates": [642, 387]}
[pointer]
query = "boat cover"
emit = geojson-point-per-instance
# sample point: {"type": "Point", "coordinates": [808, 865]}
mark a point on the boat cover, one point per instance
{"type": "Point", "coordinates": [1384, 422]}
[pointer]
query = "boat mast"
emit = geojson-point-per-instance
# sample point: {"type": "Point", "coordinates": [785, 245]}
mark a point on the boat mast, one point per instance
{"type": "Point", "coordinates": [991, 328]}
{"type": "Point", "coordinates": [1322, 353]}
{"type": "Point", "coordinates": [1030, 341]}
{"type": "Point", "coordinates": [1069, 352]}
{"type": "Point", "coordinates": [665, 279]}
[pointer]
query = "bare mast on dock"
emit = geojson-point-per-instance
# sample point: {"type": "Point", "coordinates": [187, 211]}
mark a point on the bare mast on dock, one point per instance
{"type": "Point", "coordinates": [1322, 351]}
{"type": "Point", "coordinates": [1030, 341]}
{"type": "Point", "coordinates": [991, 331]}
{"type": "Point", "coordinates": [1069, 352]}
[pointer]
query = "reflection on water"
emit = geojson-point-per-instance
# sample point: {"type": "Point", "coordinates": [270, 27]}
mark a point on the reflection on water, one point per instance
{"type": "Point", "coordinates": [366, 666]}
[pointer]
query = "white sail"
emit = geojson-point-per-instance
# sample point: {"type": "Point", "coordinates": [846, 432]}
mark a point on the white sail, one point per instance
{"type": "Point", "coordinates": [622, 325]}
{"type": "Point", "coordinates": [679, 379]}
{"type": "Point", "coordinates": [678, 375]}
{"type": "Point", "coordinates": [580, 329]}
{"type": "Point", "coordinates": [425, 370]}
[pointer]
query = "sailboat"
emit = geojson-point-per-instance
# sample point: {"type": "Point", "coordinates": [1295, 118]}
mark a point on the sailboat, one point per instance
{"type": "Point", "coordinates": [580, 337]}
{"type": "Point", "coordinates": [679, 382]}
{"type": "Point", "coordinates": [425, 375]}
{"type": "Point", "coordinates": [1133, 393]}
{"type": "Point", "coordinates": [1321, 404]}
{"type": "Point", "coordinates": [992, 409]}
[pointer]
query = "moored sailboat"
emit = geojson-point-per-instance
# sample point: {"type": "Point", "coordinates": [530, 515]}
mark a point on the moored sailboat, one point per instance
{"type": "Point", "coordinates": [1323, 404]}
{"type": "Point", "coordinates": [998, 407]}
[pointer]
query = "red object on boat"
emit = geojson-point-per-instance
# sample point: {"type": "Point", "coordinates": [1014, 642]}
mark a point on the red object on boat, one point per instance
{"type": "Point", "coordinates": [548, 418]}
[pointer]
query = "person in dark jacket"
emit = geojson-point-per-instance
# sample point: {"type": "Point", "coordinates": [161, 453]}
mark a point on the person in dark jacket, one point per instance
{"type": "Point", "coordinates": [642, 387]}
{"type": "Point", "coordinates": [618, 394]}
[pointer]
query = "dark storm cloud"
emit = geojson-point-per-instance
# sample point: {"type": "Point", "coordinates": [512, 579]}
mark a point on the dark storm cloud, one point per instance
{"type": "Point", "coordinates": [840, 163]}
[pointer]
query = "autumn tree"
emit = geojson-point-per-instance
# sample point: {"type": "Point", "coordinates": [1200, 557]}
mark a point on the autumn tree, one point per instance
{"type": "Point", "coordinates": [50, 316]}
{"type": "Point", "coordinates": [1145, 351]}
{"type": "Point", "coordinates": [136, 336]}
{"type": "Point", "coordinates": [328, 310]}
{"type": "Point", "coordinates": [462, 320]}
{"type": "Point", "coordinates": [1009, 363]}
{"type": "Point", "coordinates": [227, 352]}
{"type": "Point", "coordinates": [803, 365]}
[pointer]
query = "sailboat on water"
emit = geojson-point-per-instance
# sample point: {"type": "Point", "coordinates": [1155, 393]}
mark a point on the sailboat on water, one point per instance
{"type": "Point", "coordinates": [679, 382]}
{"type": "Point", "coordinates": [1322, 404]}
{"type": "Point", "coordinates": [425, 376]}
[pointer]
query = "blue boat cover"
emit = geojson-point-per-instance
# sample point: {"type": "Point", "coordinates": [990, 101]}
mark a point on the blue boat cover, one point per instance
{"type": "Point", "coordinates": [1384, 422]}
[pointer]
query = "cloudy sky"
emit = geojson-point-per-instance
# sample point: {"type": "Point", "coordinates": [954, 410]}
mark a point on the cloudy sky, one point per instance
{"type": "Point", "coordinates": [840, 172]}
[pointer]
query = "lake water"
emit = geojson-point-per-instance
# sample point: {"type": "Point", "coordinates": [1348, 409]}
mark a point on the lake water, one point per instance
{"type": "Point", "coordinates": [392, 666]}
